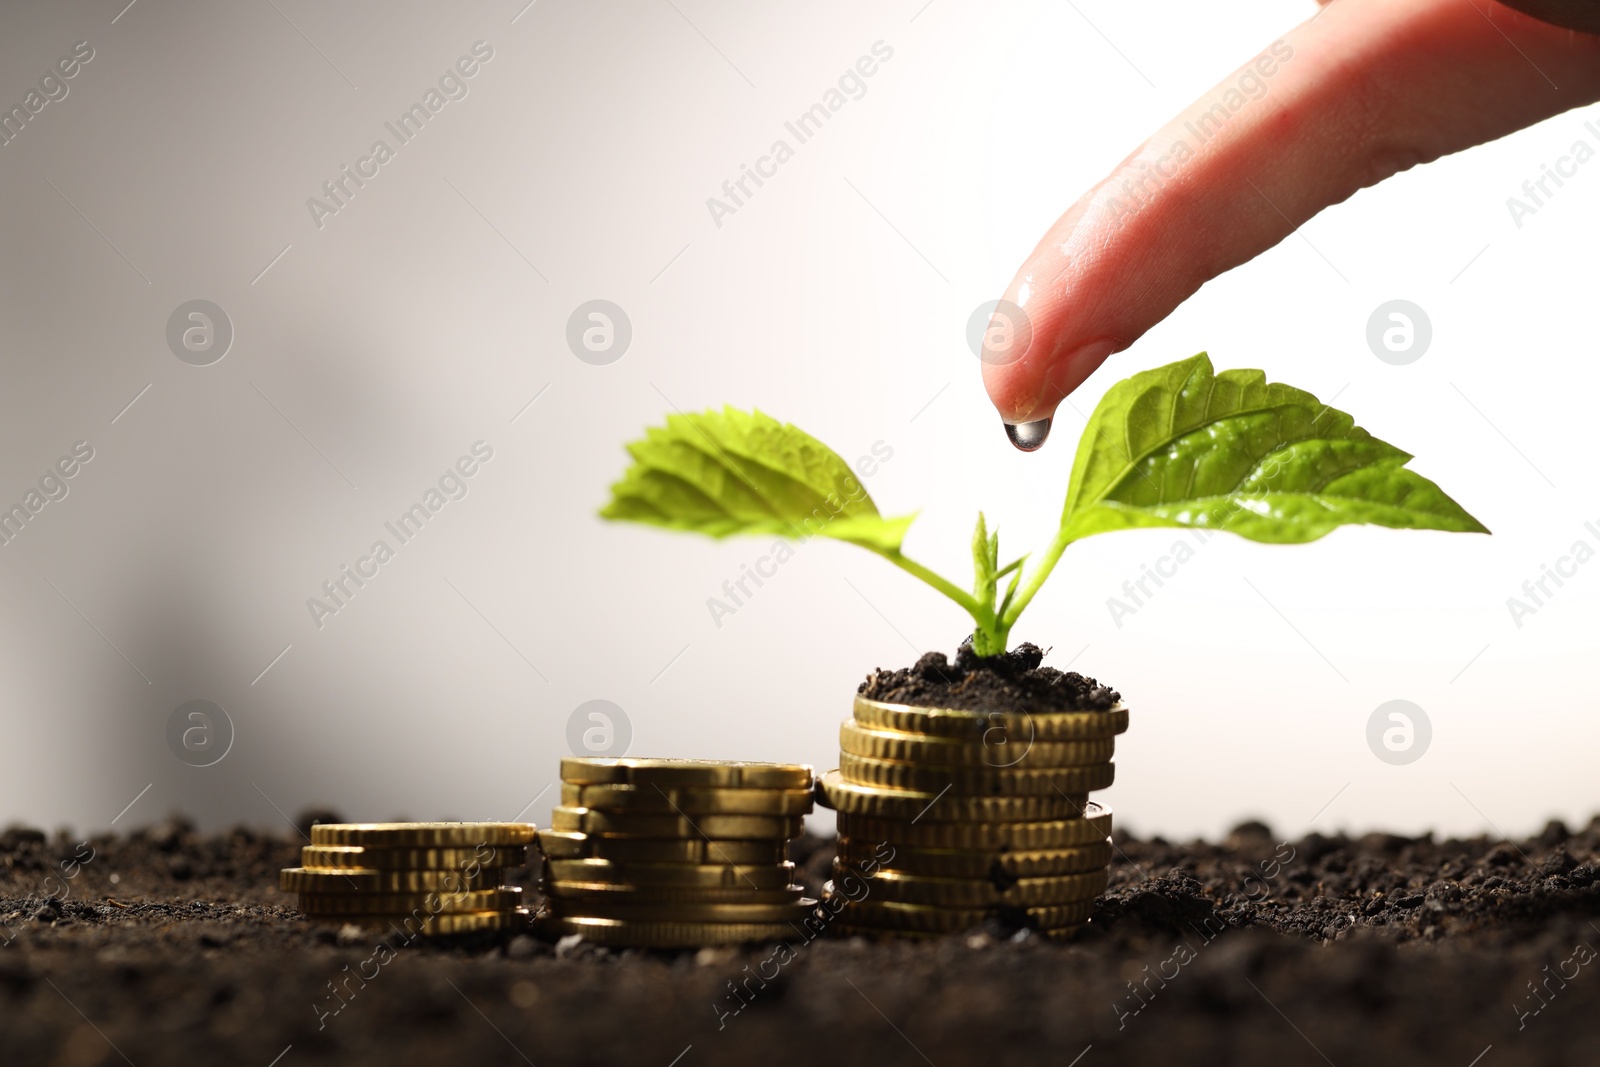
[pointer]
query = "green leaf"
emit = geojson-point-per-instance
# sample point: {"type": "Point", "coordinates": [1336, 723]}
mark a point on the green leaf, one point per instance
{"type": "Point", "coordinates": [734, 472]}
{"type": "Point", "coordinates": [1183, 446]}
{"type": "Point", "coordinates": [982, 557]}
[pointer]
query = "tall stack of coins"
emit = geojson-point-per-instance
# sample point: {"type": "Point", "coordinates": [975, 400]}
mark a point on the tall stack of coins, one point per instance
{"type": "Point", "coordinates": [432, 878]}
{"type": "Point", "coordinates": [950, 818]}
{"type": "Point", "coordinates": [657, 853]}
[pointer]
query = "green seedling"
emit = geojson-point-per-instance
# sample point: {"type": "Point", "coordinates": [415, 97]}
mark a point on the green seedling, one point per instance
{"type": "Point", "coordinates": [1176, 446]}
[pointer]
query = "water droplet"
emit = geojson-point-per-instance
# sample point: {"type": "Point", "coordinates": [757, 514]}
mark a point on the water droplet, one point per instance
{"type": "Point", "coordinates": [1028, 436]}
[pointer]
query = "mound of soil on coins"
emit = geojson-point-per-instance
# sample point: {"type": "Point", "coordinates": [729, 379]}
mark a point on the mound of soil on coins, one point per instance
{"type": "Point", "coordinates": [1012, 681]}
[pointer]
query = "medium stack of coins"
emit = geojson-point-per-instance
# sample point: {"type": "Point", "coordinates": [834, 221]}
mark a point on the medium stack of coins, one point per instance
{"type": "Point", "coordinates": [950, 818]}
{"type": "Point", "coordinates": [432, 878]}
{"type": "Point", "coordinates": [656, 853]}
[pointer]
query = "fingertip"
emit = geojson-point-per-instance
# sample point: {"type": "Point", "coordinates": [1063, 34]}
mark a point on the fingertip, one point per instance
{"type": "Point", "coordinates": [1032, 389]}
{"type": "Point", "coordinates": [1010, 391]}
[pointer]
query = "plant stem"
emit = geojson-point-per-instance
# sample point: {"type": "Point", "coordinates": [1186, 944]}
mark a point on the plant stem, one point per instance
{"type": "Point", "coordinates": [1036, 579]}
{"type": "Point", "coordinates": [993, 630]}
{"type": "Point", "coordinates": [990, 640]}
{"type": "Point", "coordinates": [989, 632]}
{"type": "Point", "coordinates": [949, 589]}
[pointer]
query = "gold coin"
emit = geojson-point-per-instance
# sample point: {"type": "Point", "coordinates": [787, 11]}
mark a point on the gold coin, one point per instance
{"type": "Point", "coordinates": [711, 827]}
{"type": "Point", "coordinates": [686, 911]}
{"type": "Point", "coordinates": [934, 806]}
{"type": "Point", "coordinates": [422, 834]}
{"type": "Point", "coordinates": [982, 893]}
{"type": "Point", "coordinates": [661, 800]}
{"type": "Point", "coordinates": [927, 918]}
{"type": "Point", "coordinates": [863, 854]}
{"type": "Point", "coordinates": [974, 781]}
{"type": "Point", "coordinates": [563, 844]}
{"type": "Point", "coordinates": [1026, 835]}
{"type": "Point", "coordinates": [686, 875]}
{"type": "Point", "coordinates": [442, 925]}
{"type": "Point", "coordinates": [503, 898]}
{"type": "Point", "coordinates": [346, 857]}
{"type": "Point", "coordinates": [626, 934]}
{"type": "Point", "coordinates": [666, 897]}
{"type": "Point", "coordinates": [995, 748]}
{"type": "Point", "coordinates": [973, 726]}
{"type": "Point", "coordinates": [685, 773]}
{"type": "Point", "coordinates": [329, 880]}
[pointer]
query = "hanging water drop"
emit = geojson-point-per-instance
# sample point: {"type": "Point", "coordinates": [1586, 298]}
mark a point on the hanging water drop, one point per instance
{"type": "Point", "coordinates": [1028, 436]}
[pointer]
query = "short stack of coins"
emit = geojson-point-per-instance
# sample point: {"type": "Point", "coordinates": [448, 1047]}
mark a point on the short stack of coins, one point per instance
{"type": "Point", "coordinates": [430, 878]}
{"type": "Point", "coordinates": [659, 853]}
{"type": "Point", "coordinates": [949, 819]}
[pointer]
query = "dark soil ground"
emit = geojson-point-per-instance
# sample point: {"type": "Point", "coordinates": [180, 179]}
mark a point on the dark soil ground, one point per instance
{"type": "Point", "coordinates": [174, 948]}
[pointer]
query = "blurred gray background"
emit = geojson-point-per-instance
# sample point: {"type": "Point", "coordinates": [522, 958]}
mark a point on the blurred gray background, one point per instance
{"type": "Point", "coordinates": [375, 345]}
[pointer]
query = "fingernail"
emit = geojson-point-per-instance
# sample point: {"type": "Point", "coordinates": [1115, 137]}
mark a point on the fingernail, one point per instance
{"type": "Point", "coordinates": [1028, 436]}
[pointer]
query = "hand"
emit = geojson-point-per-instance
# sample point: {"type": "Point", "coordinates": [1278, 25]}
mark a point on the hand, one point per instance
{"type": "Point", "coordinates": [1365, 89]}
